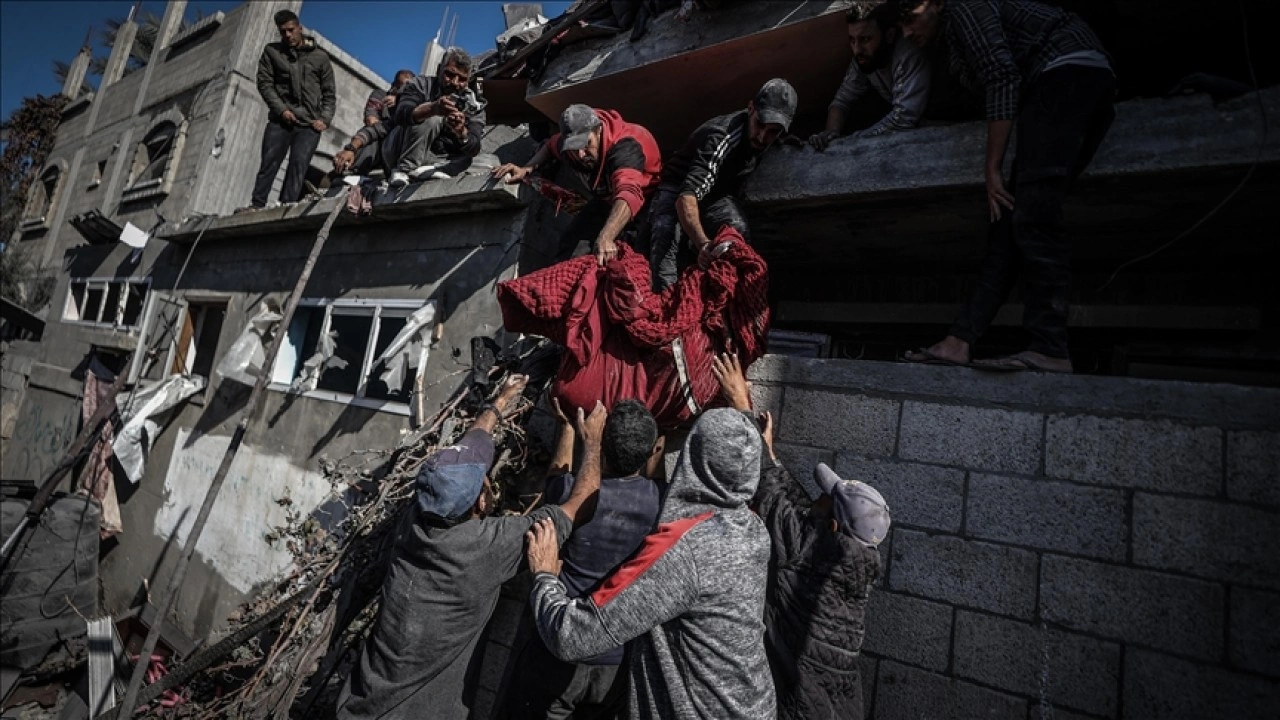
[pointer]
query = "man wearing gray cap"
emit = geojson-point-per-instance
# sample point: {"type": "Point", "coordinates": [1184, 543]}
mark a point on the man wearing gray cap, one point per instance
{"type": "Point", "coordinates": [823, 561]}
{"type": "Point", "coordinates": [619, 162]}
{"type": "Point", "coordinates": [700, 180]}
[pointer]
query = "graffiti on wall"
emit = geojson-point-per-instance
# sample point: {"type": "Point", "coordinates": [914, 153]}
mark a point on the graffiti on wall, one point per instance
{"type": "Point", "coordinates": [41, 435]}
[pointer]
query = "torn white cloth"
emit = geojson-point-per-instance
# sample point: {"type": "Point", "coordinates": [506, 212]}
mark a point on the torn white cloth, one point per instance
{"type": "Point", "coordinates": [323, 359]}
{"type": "Point", "coordinates": [134, 441]}
{"type": "Point", "coordinates": [245, 358]}
{"type": "Point", "coordinates": [405, 351]}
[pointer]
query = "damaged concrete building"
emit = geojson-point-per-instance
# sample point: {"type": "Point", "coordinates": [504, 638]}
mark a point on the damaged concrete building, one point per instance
{"type": "Point", "coordinates": [1103, 545]}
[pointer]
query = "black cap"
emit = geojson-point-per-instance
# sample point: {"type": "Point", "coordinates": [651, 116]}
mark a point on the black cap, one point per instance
{"type": "Point", "coordinates": [576, 124]}
{"type": "Point", "coordinates": [776, 103]}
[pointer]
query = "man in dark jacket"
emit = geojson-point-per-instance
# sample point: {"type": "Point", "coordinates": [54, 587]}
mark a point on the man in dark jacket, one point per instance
{"type": "Point", "coordinates": [699, 182]}
{"type": "Point", "coordinates": [548, 688]}
{"type": "Point", "coordinates": [295, 79]}
{"type": "Point", "coordinates": [381, 104]}
{"type": "Point", "coordinates": [824, 560]}
{"type": "Point", "coordinates": [434, 131]}
{"type": "Point", "coordinates": [691, 600]}
{"type": "Point", "coordinates": [450, 560]}
{"type": "Point", "coordinates": [617, 161]}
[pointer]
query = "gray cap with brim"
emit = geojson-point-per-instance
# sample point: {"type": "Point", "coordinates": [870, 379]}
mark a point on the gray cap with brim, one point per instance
{"type": "Point", "coordinates": [576, 123]}
{"type": "Point", "coordinates": [776, 103]}
{"type": "Point", "coordinates": [859, 508]}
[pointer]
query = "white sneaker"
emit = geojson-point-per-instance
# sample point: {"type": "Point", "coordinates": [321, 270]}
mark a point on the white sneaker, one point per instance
{"type": "Point", "coordinates": [422, 171]}
{"type": "Point", "coordinates": [398, 180]}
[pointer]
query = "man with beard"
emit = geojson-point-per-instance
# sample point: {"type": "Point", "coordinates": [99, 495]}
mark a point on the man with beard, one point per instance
{"type": "Point", "coordinates": [883, 62]}
{"type": "Point", "coordinates": [618, 161]}
{"type": "Point", "coordinates": [699, 182]}
{"type": "Point", "coordinates": [432, 132]}
{"type": "Point", "coordinates": [450, 560]}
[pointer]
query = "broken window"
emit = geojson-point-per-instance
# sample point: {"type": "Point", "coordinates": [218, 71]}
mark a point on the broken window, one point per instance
{"type": "Point", "coordinates": [179, 337]}
{"type": "Point", "coordinates": [151, 159]}
{"type": "Point", "coordinates": [110, 302]}
{"type": "Point", "coordinates": [339, 347]}
{"type": "Point", "coordinates": [40, 200]}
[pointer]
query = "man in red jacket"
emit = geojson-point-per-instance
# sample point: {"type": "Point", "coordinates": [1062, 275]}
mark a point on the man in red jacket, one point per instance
{"type": "Point", "coordinates": [618, 161]}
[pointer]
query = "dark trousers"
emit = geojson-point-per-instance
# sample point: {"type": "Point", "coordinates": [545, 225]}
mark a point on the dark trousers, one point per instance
{"type": "Point", "coordinates": [668, 249]}
{"type": "Point", "coordinates": [1065, 114]}
{"type": "Point", "coordinates": [548, 688]}
{"type": "Point", "coordinates": [279, 139]}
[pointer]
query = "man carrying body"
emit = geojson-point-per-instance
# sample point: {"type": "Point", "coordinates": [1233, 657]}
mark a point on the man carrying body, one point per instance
{"type": "Point", "coordinates": [434, 130]}
{"type": "Point", "coordinates": [823, 564]}
{"type": "Point", "coordinates": [1045, 69]}
{"type": "Point", "coordinates": [692, 597]}
{"type": "Point", "coordinates": [618, 161]}
{"type": "Point", "coordinates": [626, 511]}
{"type": "Point", "coordinates": [450, 561]}
{"type": "Point", "coordinates": [883, 62]}
{"type": "Point", "coordinates": [295, 79]}
{"type": "Point", "coordinates": [699, 182]}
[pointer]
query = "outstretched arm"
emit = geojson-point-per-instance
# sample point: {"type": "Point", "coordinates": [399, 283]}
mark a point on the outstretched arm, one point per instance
{"type": "Point", "coordinates": [562, 459]}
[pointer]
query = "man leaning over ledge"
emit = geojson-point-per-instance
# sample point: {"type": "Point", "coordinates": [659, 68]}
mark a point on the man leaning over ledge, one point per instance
{"type": "Point", "coordinates": [295, 79]}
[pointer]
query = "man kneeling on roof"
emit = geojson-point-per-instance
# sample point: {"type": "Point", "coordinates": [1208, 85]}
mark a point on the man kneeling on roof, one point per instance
{"type": "Point", "coordinates": [449, 562]}
{"type": "Point", "coordinates": [433, 132]}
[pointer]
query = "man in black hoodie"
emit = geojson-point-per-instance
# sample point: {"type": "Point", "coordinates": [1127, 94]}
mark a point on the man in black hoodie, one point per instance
{"type": "Point", "coordinates": [295, 79]}
{"type": "Point", "coordinates": [823, 561]}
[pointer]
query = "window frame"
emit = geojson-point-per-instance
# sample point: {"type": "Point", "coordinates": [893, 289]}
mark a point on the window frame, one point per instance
{"type": "Point", "coordinates": [42, 219]}
{"type": "Point", "coordinates": [397, 307]}
{"type": "Point", "coordinates": [104, 283]}
{"type": "Point", "coordinates": [148, 325]}
{"type": "Point", "coordinates": [142, 189]}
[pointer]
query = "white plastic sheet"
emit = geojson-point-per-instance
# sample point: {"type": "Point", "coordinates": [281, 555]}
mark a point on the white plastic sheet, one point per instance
{"type": "Point", "coordinates": [323, 359]}
{"type": "Point", "coordinates": [245, 357]}
{"type": "Point", "coordinates": [406, 349]}
{"type": "Point", "coordinates": [134, 441]}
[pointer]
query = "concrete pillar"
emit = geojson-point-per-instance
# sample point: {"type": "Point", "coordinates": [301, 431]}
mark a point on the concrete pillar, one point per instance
{"type": "Point", "coordinates": [120, 53]}
{"type": "Point", "coordinates": [169, 25]}
{"type": "Point", "coordinates": [75, 75]}
{"type": "Point", "coordinates": [431, 58]}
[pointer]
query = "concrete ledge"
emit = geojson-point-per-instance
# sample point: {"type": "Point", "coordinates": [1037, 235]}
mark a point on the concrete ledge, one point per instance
{"type": "Point", "coordinates": [1224, 405]}
{"type": "Point", "coordinates": [1149, 136]}
{"type": "Point", "coordinates": [466, 193]}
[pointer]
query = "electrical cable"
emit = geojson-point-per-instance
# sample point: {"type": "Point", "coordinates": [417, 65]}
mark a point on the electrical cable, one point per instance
{"type": "Point", "coordinates": [1257, 160]}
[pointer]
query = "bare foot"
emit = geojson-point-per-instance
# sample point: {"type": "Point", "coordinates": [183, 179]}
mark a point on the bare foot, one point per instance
{"type": "Point", "coordinates": [950, 351]}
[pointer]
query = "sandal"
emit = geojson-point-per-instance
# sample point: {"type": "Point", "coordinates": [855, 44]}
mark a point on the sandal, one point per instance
{"type": "Point", "coordinates": [1021, 362]}
{"type": "Point", "coordinates": [925, 356]}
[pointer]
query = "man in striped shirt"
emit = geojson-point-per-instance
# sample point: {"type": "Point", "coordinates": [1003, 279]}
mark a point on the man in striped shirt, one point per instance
{"type": "Point", "coordinates": [699, 181]}
{"type": "Point", "coordinates": [1042, 68]}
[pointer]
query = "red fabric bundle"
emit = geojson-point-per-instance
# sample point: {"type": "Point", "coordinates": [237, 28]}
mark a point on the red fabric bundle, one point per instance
{"type": "Point", "coordinates": [619, 333]}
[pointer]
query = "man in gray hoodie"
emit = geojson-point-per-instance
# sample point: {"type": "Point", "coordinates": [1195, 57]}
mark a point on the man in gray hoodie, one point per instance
{"type": "Point", "coordinates": [691, 598]}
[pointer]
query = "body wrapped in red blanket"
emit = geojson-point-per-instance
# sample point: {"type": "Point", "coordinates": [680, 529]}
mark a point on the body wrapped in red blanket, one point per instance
{"type": "Point", "coordinates": [624, 341]}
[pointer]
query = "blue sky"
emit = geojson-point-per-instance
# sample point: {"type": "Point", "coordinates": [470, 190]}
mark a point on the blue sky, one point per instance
{"type": "Point", "coordinates": [385, 36]}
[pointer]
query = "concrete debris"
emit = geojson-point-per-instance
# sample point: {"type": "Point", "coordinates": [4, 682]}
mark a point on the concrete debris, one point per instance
{"type": "Point", "coordinates": [140, 429]}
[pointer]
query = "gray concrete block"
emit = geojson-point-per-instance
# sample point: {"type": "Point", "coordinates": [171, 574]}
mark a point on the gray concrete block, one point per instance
{"type": "Point", "coordinates": [1217, 540]}
{"type": "Point", "coordinates": [963, 572]}
{"type": "Point", "coordinates": [767, 398]}
{"type": "Point", "coordinates": [1046, 514]}
{"type": "Point", "coordinates": [978, 438]}
{"type": "Point", "coordinates": [800, 461]}
{"type": "Point", "coordinates": [1254, 643]}
{"type": "Point", "coordinates": [1064, 668]}
{"type": "Point", "coordinates": [840, 422]}
{"type": "Point", "coordinates": [1150, 454]}
{"type": "Point", "coordinates": [1253, 467]}
{"type": "Point", "coordinates": [906, 693]}
{"type": "Point", "coordinates": [924, 496]}
{"type": "Point", "coordinates": [908, 629]}
{"type": "Point", "coordinates": [1147, 608]}
{"type": "Point", "coordinates": [1159, 687]}
{"type": "Point", "coordinates": [20, 364]}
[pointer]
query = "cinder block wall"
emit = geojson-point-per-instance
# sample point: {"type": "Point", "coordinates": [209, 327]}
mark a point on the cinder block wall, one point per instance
{"type": "Point", "coordinates": [1065, 547]}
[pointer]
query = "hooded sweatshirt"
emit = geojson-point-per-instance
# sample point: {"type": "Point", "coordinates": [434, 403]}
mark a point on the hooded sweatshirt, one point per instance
{"type": "Point", "coordinates": [692, 598]}
{"type": "Point", "coordinates": [630, 162]}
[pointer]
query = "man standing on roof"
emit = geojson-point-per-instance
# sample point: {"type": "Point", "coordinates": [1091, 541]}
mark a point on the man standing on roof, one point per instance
{"type": "Point", "coordinates": [691, 600]}
{"type": "Point", "coordinates": [883, 63]}
{"type": "Point", "coordinates": [434, 130]}
{"type": "Point", "coordinates": [1042, 68]}
{"type": "Point", "coordinates": [450, 560]}
{"type": "Point", "coordinates": [700, 181]}
{"type": "Point", "coordinates": [295, 79]}
{"type": "Point", "coordinates": [618, 161]}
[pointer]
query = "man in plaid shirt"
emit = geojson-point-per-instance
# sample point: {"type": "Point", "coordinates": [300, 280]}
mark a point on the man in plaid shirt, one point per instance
{"type": "Point", "coordinates": [1044, 69]}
